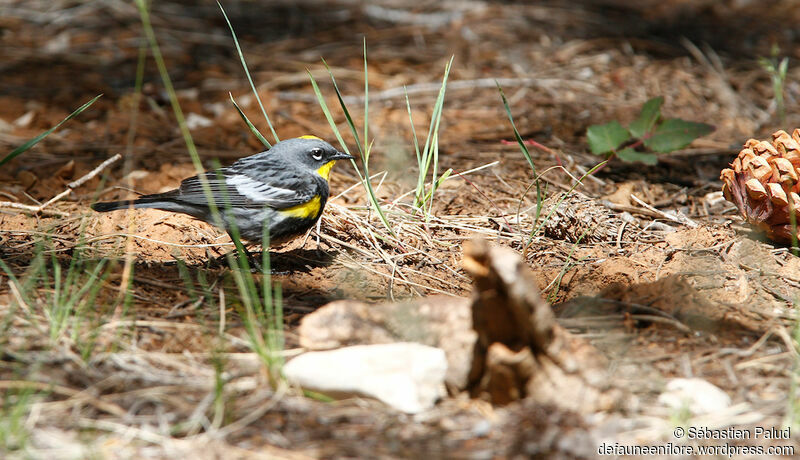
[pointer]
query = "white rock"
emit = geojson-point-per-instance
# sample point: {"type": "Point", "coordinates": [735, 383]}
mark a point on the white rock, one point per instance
{"type": "Point", "coordinates": [194, 121]}
{"type": "Point", "coordinates": [698, 395]}
{"type": "Point", "coordinates": [438, 321]}
{"type": "Point", "coordinates": [25, 120]}
{"type": "Point", "coordinates": [59, 44]}
{"type": "Point", "coordinates": [406, 376]}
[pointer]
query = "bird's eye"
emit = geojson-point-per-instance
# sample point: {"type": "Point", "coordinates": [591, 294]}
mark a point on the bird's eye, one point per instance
{"type": "Point", "coordinates": [316, 154]}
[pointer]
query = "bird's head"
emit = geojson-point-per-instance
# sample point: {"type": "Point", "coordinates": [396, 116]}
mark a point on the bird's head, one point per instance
{"type": "Point", "coordinates": [311, 152]}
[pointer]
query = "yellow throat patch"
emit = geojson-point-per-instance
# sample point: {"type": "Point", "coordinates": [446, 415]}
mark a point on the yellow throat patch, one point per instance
{"type": "Point", "coordinates": [310, 209]}
{"type": "Point", "coordinates": [325, 170]}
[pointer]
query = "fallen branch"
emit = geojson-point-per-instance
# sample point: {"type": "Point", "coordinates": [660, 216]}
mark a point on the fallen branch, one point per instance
{"type": "Point", "coordinates": [433, 88]}
{"type": "Point", "coordinates": [70, 187]}
{"type": "Point", "coordinates": [521, 351]}
{"type": "Point", "coordinates": [32, 209]}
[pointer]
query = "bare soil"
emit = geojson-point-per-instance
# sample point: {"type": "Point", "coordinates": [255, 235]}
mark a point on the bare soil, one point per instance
{"type": "Point", "coordinates": [730, 294]}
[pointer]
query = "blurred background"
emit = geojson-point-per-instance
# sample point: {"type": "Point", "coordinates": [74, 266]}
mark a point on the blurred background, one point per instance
{"type": "Point", "coordinates": [574, 62]}
{"type": "Point", "coordinates": [565, 65]}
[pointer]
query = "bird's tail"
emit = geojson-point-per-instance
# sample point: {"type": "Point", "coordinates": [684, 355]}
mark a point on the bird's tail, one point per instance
{"type": "Point", "coordinates": [158, 201]}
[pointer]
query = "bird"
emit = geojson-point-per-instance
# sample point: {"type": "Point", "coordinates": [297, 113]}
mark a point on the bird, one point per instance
{"type": "Point", "coordinates": [283, 189]}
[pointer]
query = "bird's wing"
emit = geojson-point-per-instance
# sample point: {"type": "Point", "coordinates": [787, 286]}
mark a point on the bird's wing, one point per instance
{"type": "Point", "coordinates": [277, 189]}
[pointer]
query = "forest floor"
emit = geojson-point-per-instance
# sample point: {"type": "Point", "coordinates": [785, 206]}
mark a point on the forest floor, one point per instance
{"type": "Point", "coordinates": [130, 373]}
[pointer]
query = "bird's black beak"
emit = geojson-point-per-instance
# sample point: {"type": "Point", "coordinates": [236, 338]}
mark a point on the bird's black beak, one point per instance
{"type": "Point", "coordinates": [341, 156]}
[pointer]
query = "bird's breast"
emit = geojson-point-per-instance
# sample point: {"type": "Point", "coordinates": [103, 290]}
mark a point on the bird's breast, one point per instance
{"type": "Point", "coordinates": [310, 209]}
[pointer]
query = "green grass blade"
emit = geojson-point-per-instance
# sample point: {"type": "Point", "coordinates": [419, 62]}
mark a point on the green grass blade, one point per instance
{"type": "Point", "coordinates": [324, 106]}
{"type": "Point", "coordinates": [413, 129]}
{"type": "Point", "coordinates": [435, 182]}
{"type": "Point", "coordinates": [551, 297]}
{"type": "Point", "coordinates": [366, 109]}
{"type": "Point", "coordinates": [517, 136]}
{"type": "Point", "coordinates": [525, 153]}
{"type": "Point", "coordinates": [247, 72]}
{"type": "Point", "coordinates": [240, 272]}
{"type": "Point", "coordinates": [177, 111]}
{"type": "Point", "coordinates": [438, 183]}
{"type": "Point", "coordinates": [173, 99]}
{"type": "Point", "coordinates": [250, 125]}
{"type": "Point", "coordinates": [363, 153]}
{"type": "Point", "coordinates": [24, 147]}
{"type": "Point", "coordinates": [266, 274]}
{"type": "Point", "coordinates": [186, 277]}
{"type": "Point", "coordinates": [346, 112]}
{"type": "Point", "coordinates": [433, 129]}
{"type": "Point", "coordinates": [433, 175]}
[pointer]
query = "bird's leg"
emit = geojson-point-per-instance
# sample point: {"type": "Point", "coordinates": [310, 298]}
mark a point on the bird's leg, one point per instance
{"type": "Point", "coordinates": [241, 248]}
{"type": "Point", "coordinates": [257, 268]}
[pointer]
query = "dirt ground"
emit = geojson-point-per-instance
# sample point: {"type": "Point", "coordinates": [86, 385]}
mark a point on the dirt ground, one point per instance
{"type": "Point", "coordinates": [134, 380]}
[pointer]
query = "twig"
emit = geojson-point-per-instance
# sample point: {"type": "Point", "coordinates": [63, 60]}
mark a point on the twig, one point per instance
{"type": "Point", "coordinates": [631, 209]}
{"type": "Point", "coordinates": [433, 20]}
{"type": "Point", "coordinates": [33, 209]}
{"type": "Point", "coordinates": [76, 396]}
{"type": "Point", "coordinates": [428, 88]}
{"type": "Point", "coordinates": [679, 218]}
{"type": "Point", "coordinates": [70, 187]}
{"type": "Point", "coordinates": [75, 184]}
{"type": "Point", "coordinates": [253, 415]}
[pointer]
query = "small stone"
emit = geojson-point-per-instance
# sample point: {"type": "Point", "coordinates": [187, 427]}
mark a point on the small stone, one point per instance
{"type": "Point", "coordinates": [67, 171]}
{"type": "Point", "coordinates": [407, 376]}
{"type": "Point", "coordinates": [5, 127]}
{"type": "Point", "coordinates": [25, 120]}
{"type": "Point", "coordinates": [27, 179]}
{"type": "Point", "coordinates": [698, 395]}
{"type": "Point", "coordinates": [194, 121]}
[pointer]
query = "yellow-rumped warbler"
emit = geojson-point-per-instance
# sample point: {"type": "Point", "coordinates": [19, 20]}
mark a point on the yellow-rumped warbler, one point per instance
{"type": "Point", "coordinates": [285, 187]}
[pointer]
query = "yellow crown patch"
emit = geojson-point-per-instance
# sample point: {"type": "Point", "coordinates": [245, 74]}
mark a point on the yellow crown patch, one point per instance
{"type": "Point", "coordinates": [309, 136]}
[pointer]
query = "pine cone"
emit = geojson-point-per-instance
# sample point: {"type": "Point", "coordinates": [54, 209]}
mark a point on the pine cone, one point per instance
{"type": "Point", "coordinates": [580, 218]}
{"type": "Point", "coordinates": [763, 184]}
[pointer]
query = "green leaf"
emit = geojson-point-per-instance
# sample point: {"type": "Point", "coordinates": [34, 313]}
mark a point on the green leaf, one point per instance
{"type": "Point", "coordinates": [675, 134]}
{"type": "Point", "coordinates": [22, 148]}
{"type": "Point", "coordinates": [651, 110]}
{"type": "Point", "coordinates": [630, 155]}
{"type": "Point", "coordinates": [606, 138]}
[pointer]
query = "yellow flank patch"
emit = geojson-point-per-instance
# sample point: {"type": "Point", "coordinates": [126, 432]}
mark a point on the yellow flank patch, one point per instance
{"type": "Point", "coordinates": [309, 136]}
{"type": "Point", "coordinates": [325, 170]}
{"type": "Point", "coordinates": [309, 209]}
